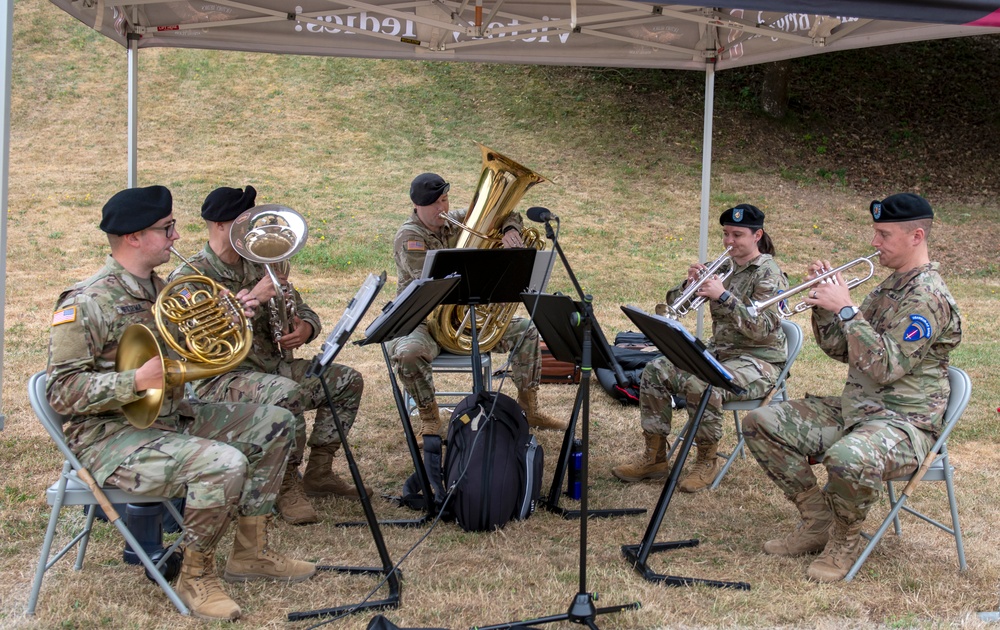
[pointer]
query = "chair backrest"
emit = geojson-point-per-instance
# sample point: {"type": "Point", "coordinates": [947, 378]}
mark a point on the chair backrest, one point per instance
{"type": "Point", "coordinates": [793, 340]}
{"type": "Point", "coordinates": [52, 421]}
{"type": "Point", "coordinates": [958, 400]}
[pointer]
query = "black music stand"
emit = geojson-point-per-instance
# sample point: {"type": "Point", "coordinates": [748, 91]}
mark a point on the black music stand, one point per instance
{"type": "Point", "coordinates": [335, 341]}
{"type": "Point", "coordinates": [488, 276]}
{"type": "Point", "coordinates": [689, 354]}
{"type": "Point", "coordinates": [555, 317]}
{"type": "Point", "coordinates": [398, 318]}
{"type": "Point", "coordinates": [582, 609]}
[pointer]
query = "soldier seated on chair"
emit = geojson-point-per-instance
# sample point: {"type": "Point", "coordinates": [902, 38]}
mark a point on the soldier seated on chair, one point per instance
{"type": "Point", "coordinates": [226, 458]}
{"type": "Point", "coordinates": [892, 407]}
{"type": "Point", "coordinates": [424, 231]}
{"type": "Point", "coordinates": [270, 374]}
{"type": "Point", "coordinates": [753, 349]}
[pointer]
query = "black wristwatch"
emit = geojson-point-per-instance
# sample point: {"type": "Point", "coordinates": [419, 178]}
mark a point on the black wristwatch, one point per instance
{"type": "Point", "coordinates": [847, 313]}
{"type": "Point", "coordinates": [724, 297]}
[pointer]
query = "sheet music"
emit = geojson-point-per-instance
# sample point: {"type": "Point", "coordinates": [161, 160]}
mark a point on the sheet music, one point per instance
{"type": "Point", "coordinates": [355, 310]}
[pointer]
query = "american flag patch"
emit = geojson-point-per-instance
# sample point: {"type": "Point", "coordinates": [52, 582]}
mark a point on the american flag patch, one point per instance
{"type": "Point", "coordinates": [186, 294]}
{"type": "Point", "coordinates": [415, 246]}
{"type": "Point", "coordinates": [64, 316]}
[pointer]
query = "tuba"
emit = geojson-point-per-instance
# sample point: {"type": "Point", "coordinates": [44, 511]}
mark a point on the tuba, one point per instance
{"type": "Point", "coordinates": [269, 235]}
{"type": "Point", "coordinates": [501, 185]}
{"type": "Point", "coordinates": [217, 337]}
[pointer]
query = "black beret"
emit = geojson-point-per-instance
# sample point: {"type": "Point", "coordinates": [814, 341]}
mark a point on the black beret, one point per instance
{"type": "Point", "coordinates": [743, 215]}
{"type": "Point", "coordinates": [900, 207]}
{"type": "Point", "coordinates": [135, 209]}
{"type": "Point", "coordinates": [225, 204]}
{"type": "Point", "coordinates": [427, 188]}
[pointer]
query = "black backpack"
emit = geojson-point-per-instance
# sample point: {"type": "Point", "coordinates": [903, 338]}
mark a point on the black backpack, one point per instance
{"type": "Point", "coordinates": [632, 359]}
{"type": "Point", "coordinates": [493, 462]}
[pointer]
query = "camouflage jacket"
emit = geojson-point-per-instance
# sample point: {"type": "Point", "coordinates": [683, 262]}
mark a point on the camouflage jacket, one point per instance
{"type": "Point", "coordinates": [265, 356]}
{"type": "Point", "coordinates": [89, 319]}
{"type": "Point", "coordinates": [414, 240]}
{"type": "Point", "coordinates": [734, 331]}
{"type": "Point", "coordinates": [897, 349]}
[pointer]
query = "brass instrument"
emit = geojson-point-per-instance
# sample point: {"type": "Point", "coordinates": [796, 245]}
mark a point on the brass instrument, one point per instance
{"type": "Point", "coordinates": [217, 337]}
{"type": "Point", "coordinates": [501, 185]}
{"type": "Point", "coordinates": [688, 301]}
{"type": "Point", "coordinates": [271, 234]}
{"type": "Point", "coordinates": [827, 276]}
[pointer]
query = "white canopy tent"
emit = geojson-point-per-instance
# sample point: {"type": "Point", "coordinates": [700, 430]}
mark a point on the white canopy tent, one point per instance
{"type": "Point", "coordinates": [607, 33]}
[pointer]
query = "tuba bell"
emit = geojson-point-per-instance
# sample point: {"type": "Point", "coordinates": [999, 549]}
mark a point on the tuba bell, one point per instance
{"type": "Point", "coordinates": [217, 337]}
{"type": "Point", "coordinates": [269, 235]}
{"type": "Point", "coordinates": [502, 183]}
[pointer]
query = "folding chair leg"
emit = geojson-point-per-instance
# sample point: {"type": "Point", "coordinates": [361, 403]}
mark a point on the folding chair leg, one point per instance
{"type": "Point", "coordinates": [50, 534]}
{"type": "Point", "coordinates": [877, 536]}
{"type": "Point", "coordinates": [955, 525]}
{"type": "Point", "coordinates": [85, 537]}
{"type": "Point", "coordinates": [892, 502]}
{"type": "Point", "coordinates": [151, 567]}
{"type": "Point", "coordinates": [677, 442]}
{"type": "Point", "coordinates": [729, 462]}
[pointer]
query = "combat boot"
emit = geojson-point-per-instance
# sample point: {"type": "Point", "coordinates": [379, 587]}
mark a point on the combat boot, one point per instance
{"type": "Point", "coordinates": [320, 480]}
{"type": "Point", "coordinates": [653, 464]}
{"type": "Point", "coordinates": [528, 399]}
{"type": "Point", "coordinates": [200, 588]}
{"type": "Point", "coordinates": [840, 553]}
{"type": "Point", "coordinates": [252, 559]}
{"type": "Point", "coordinates": [430, 422]}
{"type": "Point", "coordinates": [292, 504]}
{"type": "Point", "coordinates": [704, 471]}
{"type": "Point", "coordinates": [812, 532]}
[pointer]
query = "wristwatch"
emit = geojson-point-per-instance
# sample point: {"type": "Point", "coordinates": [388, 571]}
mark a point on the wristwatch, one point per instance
{"type": "Point", "coordinates": [847, 313]}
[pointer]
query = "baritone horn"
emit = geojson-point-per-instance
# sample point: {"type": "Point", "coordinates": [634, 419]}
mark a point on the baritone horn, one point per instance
{"type": "Point", "coordinates": [270, 234]}
{"type": "Point", "coordinates": [687, 301]}
{"type": "Point", "coordinates": [784, 312]}
{"type": "Point", "coordinates": [217, 337]}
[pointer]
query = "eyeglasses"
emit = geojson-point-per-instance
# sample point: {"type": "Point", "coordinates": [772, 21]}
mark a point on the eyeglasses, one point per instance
{"type": "Point", "coordinates": [168, 229]}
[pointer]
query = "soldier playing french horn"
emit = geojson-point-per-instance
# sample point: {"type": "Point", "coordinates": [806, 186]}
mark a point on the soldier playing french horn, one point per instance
{"type": "Point", "coordinates": [753, 349]}
{"type": "Point", "coordinates": [227, 459]}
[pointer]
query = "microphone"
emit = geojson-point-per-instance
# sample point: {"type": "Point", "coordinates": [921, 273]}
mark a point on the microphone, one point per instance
{"type": "Point", "coordinates": [539, 214]}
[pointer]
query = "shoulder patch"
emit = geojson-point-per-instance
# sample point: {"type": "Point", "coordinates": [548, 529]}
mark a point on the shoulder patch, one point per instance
{"type": "Point", "coordinates": [128, 309]}
{"type": "Point", "coordinates": [416, 246]}
{"type": "Point", "coordinates": [64, 316]}
{"type": "Point", "coordinates": [919, 328]}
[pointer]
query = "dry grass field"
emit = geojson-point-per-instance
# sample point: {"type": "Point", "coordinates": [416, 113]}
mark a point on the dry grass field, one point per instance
{"type": "Point", "coordinates": [339, 140]}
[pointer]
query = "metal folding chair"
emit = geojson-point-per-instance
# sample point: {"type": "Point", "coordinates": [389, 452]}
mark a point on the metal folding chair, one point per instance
{"type": "Point", "coordinates": [71, 489]}
{"type": "Point", "coordinates": [793, 336]}
{"type": "Point", "coordinates": [938, 468]}
{"type": "Point", "coordinates": [449, 363]}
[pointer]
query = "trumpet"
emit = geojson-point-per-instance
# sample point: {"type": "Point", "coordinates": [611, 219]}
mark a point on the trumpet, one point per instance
{"type": "Point", "coordinates": [688, 301]}
{"type": "Point", "coordinates": [784, 312]}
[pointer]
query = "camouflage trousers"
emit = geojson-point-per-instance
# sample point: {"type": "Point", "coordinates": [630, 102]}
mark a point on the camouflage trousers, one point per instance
{"type": "Point", "coordinates": [224, 458]}
{"type": "Point", "coordinates": [412, 356]}
{"type": "Point", "coordinates": [857, 458]}
{"type": "Point", "coordinates": [291, 390]}
{"type": "Point", "coordinates": [661, 380]}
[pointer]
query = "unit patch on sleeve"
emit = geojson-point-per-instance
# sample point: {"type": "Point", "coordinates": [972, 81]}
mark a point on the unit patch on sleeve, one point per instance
{"type": "Point", "coordinates": [919, 328]}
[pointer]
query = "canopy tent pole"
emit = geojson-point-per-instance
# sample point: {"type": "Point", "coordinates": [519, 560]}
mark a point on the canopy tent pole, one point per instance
{"type": "Point", "coordinates": [7, 33]}
{"type": "Point", "coordinates": [706, 176]}
{"type": "Point", "coordinates": [133, 113]}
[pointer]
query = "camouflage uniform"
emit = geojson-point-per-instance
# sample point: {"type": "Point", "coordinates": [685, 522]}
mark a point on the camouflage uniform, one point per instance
{"type": "Point", "coordinates": [224, 456]}
{"type": "Point", "coordinates": [413, 353]}
{"type": "Point", "coordinates": [266, 377]}
{"type": "Point", "coordinates": [892, 407]}
{"type": "Point", "coordinates": [753, 349]}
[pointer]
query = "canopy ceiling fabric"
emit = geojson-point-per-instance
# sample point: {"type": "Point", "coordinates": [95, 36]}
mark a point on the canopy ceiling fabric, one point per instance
{"type": "Point", "coordinates": [619, 33]}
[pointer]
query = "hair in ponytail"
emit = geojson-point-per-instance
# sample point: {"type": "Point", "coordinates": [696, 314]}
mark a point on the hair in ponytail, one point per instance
{"type": "Point", "coordinates": [765, 245]}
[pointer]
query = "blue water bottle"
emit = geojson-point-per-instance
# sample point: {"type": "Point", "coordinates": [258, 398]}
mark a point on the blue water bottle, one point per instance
{"type": "Point", "coordinates": [575, 470]}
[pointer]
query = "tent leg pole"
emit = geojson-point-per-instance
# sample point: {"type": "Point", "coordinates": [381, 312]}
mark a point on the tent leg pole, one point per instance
{"type": "Point", "coordinates": [706, 176]}
{"type": "Point", "coordinates": [133, 113]}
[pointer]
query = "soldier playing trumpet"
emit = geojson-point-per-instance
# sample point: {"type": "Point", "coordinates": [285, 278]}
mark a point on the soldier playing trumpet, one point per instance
{"type": "Point", "coordinates": [751, 348]}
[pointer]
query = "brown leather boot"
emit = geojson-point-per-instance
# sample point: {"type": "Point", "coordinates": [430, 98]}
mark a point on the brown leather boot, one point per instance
{"type": "Point", "coordinates": [321, 481]}
{"type": "Point", "coordinates": [840, 553]}
{"type": "Point", "coordinates": [652, 465]}
{"type": "Point", "coordinates": [200, 588]}
{"type": "Point", "coordinates": [528, 399]}
{"type": "Point", "coordinates": [292, 504]}
{"type": "Point", "coordinates": [251, 558]}
{"type": "Point", "coordinates": [812, 532]}
{"type": "Point", "coordinates": [704, 471]}
{"type": "Point", "coordinates": [430, 422]}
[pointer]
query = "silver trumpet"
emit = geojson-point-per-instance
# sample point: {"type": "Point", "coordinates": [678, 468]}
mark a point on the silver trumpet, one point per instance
{"type": "Point", "coordinates": [830, 275]}
{"type": "Point", "coordinates": [688, 301]}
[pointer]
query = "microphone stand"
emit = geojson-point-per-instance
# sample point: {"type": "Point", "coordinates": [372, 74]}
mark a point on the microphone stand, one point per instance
{"type": "Point", "coordinates": [582, 609]}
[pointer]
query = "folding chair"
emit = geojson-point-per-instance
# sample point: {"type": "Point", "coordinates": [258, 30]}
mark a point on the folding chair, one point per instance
{"type": "Point", "coordinates": [449, 363]}
{"type": "Point", "coordinates": [793, 337]}
{"type": "Point", "coordinates": [936, 467]}
{"type": "Point", "coordinates": [71, 489]}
